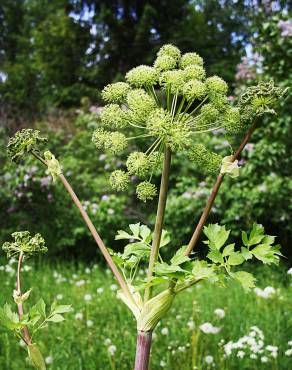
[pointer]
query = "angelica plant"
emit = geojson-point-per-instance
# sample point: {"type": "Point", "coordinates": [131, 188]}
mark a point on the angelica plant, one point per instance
{"type": "Point", "coordinates": [169, 106]}
{"type": "Point", "coordinates": [26, 325]}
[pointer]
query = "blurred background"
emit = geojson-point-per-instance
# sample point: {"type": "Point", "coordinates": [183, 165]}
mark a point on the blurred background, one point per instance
{"type": "Point", "coordinates": [55, 58]}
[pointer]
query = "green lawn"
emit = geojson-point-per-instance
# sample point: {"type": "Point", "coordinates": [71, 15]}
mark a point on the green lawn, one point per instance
{"type": "Point", "coordinates": [100, 333]}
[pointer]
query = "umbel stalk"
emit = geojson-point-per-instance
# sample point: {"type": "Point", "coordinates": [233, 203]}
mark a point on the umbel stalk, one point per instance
{"type": "Point", "coordinates": [159, 219]}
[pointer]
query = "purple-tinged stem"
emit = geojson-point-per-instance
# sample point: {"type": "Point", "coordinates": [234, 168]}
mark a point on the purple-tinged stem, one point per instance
{"type": "Point", "coordinates": [144, 339]}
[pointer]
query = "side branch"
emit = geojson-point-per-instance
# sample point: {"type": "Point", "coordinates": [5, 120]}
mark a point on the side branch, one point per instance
{"type": "Point", "coordinates": [207, 209]}
{"type": "Point", "coordinates": [94, 233]}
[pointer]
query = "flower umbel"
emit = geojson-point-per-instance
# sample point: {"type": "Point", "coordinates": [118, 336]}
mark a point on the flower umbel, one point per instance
{"type": "Point", "coordinates": [24, 142]}
{"type": "Point", "coordinates": [167, 105]}
{"type": "Point", "coordinates": [25, 243]}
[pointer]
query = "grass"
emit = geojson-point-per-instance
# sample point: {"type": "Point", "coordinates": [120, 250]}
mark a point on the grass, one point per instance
{"type": "Point", "coordinates": [104, 335]}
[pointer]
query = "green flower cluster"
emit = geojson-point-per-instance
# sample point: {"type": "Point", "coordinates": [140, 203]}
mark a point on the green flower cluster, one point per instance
{"type": "Point", "coordinates": [208, 162]}
{"type": "Point", "coordinates": [168, 104]}
{"type": "Point", "coordinates": [23, 142]}
{"type": "Point", "coordinates": [24, 243]}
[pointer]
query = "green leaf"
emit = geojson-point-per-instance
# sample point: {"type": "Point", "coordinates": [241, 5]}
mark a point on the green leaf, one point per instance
{"type": "Point", "coordinates": [228, 250]}
{"type": "Point", "coordinates": [9, 319]}
{"type": "Point", "coordinates": [56, 318]}
{"type": "Point", "coordinates": [165, 238]}
{"type": "Point", "coordinates": [256, 234]}
{"type": "Point", "coordinates": [201, 270]}
{"type": "Point", "coordinates": [215, 256]}
{"type": "Point", "coordinates": [139, 249]}
{"type": "Point", "coordinates": [235, 259]}
{"type": "Point", "coordinates": [217, 235]}
{"type": "Point", "coordinates": [135, 228]}
{"type": "Point", "coordinates": [244, 238]}
{"type": "Point", "coordinates": [132, 261]}
{"type": "Point", "coordinates": [266, 253]}
{"type": "Point", "coordinates": [180, 256]}
{"type": "Point", "coordinates": [156, 280]}
{"type": "Point", "coordinates": [123, 235]}
{"type": "Point", "coordinates": [246, 253]}
{"type": "Point", "coordinates": [268, 239]}
{"type": "Point", "coordinates": [165, 268]}
{"type": "Point", "coordinates": [145, 233]}
{"type": "Point", "coordinates": [55, 308]}
{"type": "Point", "coordinates": [246, 279]}
{"type": "Point", "coordinates": [41, 307]}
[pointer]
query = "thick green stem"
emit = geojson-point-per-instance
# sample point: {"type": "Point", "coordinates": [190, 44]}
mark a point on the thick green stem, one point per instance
{"type": "Point", "coordinates": [26, 335]}
{"type": "Point", "coordinates": [159, 219]}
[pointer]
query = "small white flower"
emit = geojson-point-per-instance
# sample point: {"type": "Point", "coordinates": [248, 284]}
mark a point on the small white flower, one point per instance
{"type": "Point", "coordinates": [289, 272]}
{"type": "Point", "coordinates": [89, 323]}
{"type": "Point", "coordinates": [87, 270]}
{"type": "Point", "coordinates": [209, 359]}
{"type": "Point", "coordinates": [107, 341]}
{"type": "Point", "coordinates": [240, 354]}
{"type": "Point", "coordinates": [208, 328]}
{"type": "Point", "coordinates": [191, 325]}
{"type": "Point", "coordinates": [88, 297]}
{"type": "Point", "coordinates": [162, 363]}
{"type": "Point", "coordinates": [220, 313]}
{"type": "Point", "coordinates": [271, 348]}
{"type": "Point", "coordinates": [164, 331]}
{"type": "Point", "coordinates": [79, 316]}
{"type": "Point", "coordinates": [288, 352]}
{"type": "Point", "coordinates": [49, 360]}
{"type": "Point", "coordinates": [264, 359]}
{"type": "Point", "coordinates": [22, 343]}
{"type": "Point", "coordinates": [112, 349]}
{"type": "Point", "coordinates": [290, 343]}
{"type": "Point", "coordinates": [59, 297]}
{"type": "Point", "coordinates": [113, 287]}
{"type": "Point", "coordinates": [253, 356]}
{"type": "Point", "coordinates": [110, 211]}
{"type": "Point", "coordinates": [99, 290]}
{"type": "Point", "coordinates": [80, 283]}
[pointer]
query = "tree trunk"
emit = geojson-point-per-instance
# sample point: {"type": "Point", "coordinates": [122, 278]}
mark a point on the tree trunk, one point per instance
{"type": "Point", "coordinates": [144, 339]}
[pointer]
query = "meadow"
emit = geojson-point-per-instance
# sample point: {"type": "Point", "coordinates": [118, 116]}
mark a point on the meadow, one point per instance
{"type": "Point", "coordinates": [214, 328]}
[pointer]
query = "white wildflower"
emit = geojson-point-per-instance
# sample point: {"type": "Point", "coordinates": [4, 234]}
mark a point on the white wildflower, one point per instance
{"type": "Point", "coordinates": [240, 354]}
{"type": "Point", "coordinates": [80, 283]}
{"type": "Point", "coordinates": [209, 359]}
{"type": "Point", "coordinates": [89, 323]}
{"type": "Point", "coordinates": [113, 287]}
{"type": "Point", "coordinates": [208, 328]}
{"type": "Point", "coordinates": [99, 290]}
{"type": "Point", "coordinates": [164, 331]}
{"type": "Point", "coordinates": [191, 325]}
{"type": "Point", "coordinates": [220, 313]}
{"type": "Point", "coordinates": [49, 360]}
{"type": "Point", "coordinates": [288, 352]}
{"type": "Point", "coordinates": [59, 297]}
{"type": "Point", "coordinates": [162, 363]}
{"type": "Point", "coordinates": [264, 359]}
{"type": "Point", "coordinates": [112, 349]}
{"type": "Point", "coordinates": [79, 316]}
{"type": "Point", "coordinates": [88, 297]}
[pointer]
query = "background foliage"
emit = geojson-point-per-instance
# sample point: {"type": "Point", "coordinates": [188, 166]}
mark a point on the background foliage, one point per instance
{"type": "Point", "coordinates": [57, 55]}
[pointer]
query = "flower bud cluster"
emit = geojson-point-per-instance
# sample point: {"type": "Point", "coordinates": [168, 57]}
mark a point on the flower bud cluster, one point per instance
{"type": "Point", "coordinates": [142, 76]}
{"type": "Point", "coordinates": [23, 142]}
{"type": "Point", "coordinates": [207, 161]}
{"type": "Point", "coordinates": [260, 99]}
{"type": "Point", "coordinates": [24, 243]}
{"type": "Point", "coordinates": [146, 191]}
{"type": "Point", "coordinates": [115, 93]}
{"type": "Point", "coordinates": [113, 116]}
{"type": "Point", "coordinates": [113, 141]}
{"type": "Point", "coordinates": [119, 180]}
{"type": "Point", "coordinates": [138, 164]}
